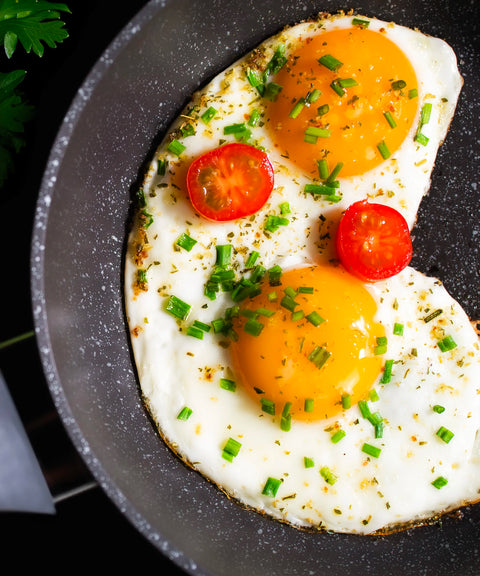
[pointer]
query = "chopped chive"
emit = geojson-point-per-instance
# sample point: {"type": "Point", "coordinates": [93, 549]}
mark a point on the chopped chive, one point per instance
{"type": "Point", "coordinates": [184, 413]}
{"type": "Point", "coordinates": [250, 263]}
{"type": "Point", "coordinates": [317, 132]}
{"type": "Point", "coordinates": [426, 113]}
{"type": "Point", "coordinates": [227, 384]}
{"type": "Point", "coordinates": [439, 482]}
{"type": "Point", "coordinates": [218, 325]}
{"type": "Point", "coordinates": [381, 346]}
{"type": "Point", "coordinates": [142, 276]}
{"type": "Point", "coordinates": [346, 401]}
{"type": "Point", "coordinates": [322, 168]}
{"type": "Point", "coordinates": [286, 419]}
{"type": "Point", "coordinates": [248, 313]}
{"type": "Point", "coordinates": [421, 138]}
{"type": "Point", "coordinates": [445, 434]}
{"type": "Point", "coordinates": [255, 80]}
{"type": "Point", "coordinates": [202, 326]}
{"type": "Point", "coordinates": [289, 291]}
{"type": "Point", "coordinates": [185, 241]}
{"type": "Point", "coordinates": [277, 61]}
{"type": "Point", "coordinates": [347, 82]}
{"type": "Point", "coordinates": [274, 275]}
{"type": "Point", "coordinates": [195, 332]}
{"type": "Point", "coordinates": [305, 290]}
{"type": "Point", "coordinates": [375, 418]}
{"type": "Point", "coordinates": [297, 315]}
{"type": "Point", "coordinates": [399, 84]}
{"type": "Point", "coordinates": [314, 318]}
{"type": "Point", "coordinates": [231, 449]}
{"type": "Point", "coordinates": [379, 429]}
{"type": "Point", "coordinates": [387, 372]}
{"type": "Point", "coordinates": [371, 450]}
{"type": "Point", "coordinates": [373, 395]}
{"type": "Point", "coordinates": [297, 108]}
{"type": "Point", "coordinates": [313, 96]}
{"type": "Point", "coordinates": [140, 197]}
{"type": "Point", "coordinates": [178, 308]}
{"type": "Point", "coordinates": [334, 198]}
{"type": "Point", "coordinates": [319, 356]}
{"type": "Point", "coordinates": [389, 118]}
{"type": "Point", "coordinates": [272, 90]}
{"type": "Point", "coordinates": [285, 208]}
{"type": "Point", "coordinates": [253, 327]}
{"type": "Point", "coordinates": [433, 315]}
{"type": "Point", "coordinates": [257, 274]}
{"type": "Point", "coordinates": [288, 302]}
{"type": "Point", "coordinates": [383, 149]}
{"type": "Point", "coordinates": [234, 128]}
{"type": "Point", "coordinates": [335, 86]}
{"type": "Point", "coordinates": [148, 218]}
{"type": "Point", "coordinates": [364, 409]}
{"type": "Point", "coordinates": [208, 115]}
{"type": "Point", "coordinates": [272, 296]}
{"type": "Point", "coordinates": [268, 406]}
{"type": "Point", "coordinates": [224, 255]}
{"type": "Point", "coordinates": [286, 423]}
{"type": "Point", "coordinates": [254, 118]}
{"type": "Point", "coordinates": [162, 166]}
{"type": "Point", "coordinates": [265, 312]}
{"type": "Point", "coordinates": [309, 139]}
{"type": "Point", "coordinates": [308, 462]}
{"type": "Point", "coordinates": [438, 409]}
{"type": "Point", "coordinates": [447, 344]}
{"type": "Point", "coordinates": [339, 434]}
{"type": "Point", "coordinates": [413, 93]}
{"type": "Point", "coordinates": [316, 189]}
{"type": "Point", "coordinates": [335, 172]}
{"type": "Point", "coordinates": [271, 487]}
{"type": "Point", "coordinates": [308, 405]}
{"type": "Point", "coordinates": [187, 130]}
{"type": "Point", "coordinates": [398, 329]}
{"type": "Point", "coordinates": [274, 222]}
{"type": "Point", "coordinates": [328, 475]}
{"type": "Point", "coordinates": [323, 109]}
{"type": "Point", "coordinates": [330, 62]}
{"type": "Point", "coordinates": [176, 147]}
{"type": "Point", "coordinates": [360, 22]}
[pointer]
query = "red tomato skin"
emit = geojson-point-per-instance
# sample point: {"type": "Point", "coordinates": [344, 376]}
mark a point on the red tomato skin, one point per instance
{"type": "Point", "coordinates": [373, 254]}
{"type": "Point", "coordinates": [245, 166]}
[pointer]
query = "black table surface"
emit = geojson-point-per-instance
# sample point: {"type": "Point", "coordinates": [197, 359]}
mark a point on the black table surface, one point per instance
{"type": "Point", "coordinates": [87, 530]}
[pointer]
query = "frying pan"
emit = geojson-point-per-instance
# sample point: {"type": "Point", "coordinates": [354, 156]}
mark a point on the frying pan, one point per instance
{"type": "Point", "coordinates": [120, 113]}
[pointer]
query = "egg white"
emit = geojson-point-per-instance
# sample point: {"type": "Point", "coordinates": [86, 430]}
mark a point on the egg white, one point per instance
{"type": "Point", "coordinates": [176, 370]}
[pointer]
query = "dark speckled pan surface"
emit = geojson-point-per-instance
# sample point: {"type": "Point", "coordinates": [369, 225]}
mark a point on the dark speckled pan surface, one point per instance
{"type": "Point", "coordinates": [118, 116]}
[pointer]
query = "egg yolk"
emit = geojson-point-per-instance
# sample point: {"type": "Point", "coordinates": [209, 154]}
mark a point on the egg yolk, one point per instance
{"type": "Point", "coordinates": [365, 101]}
{"type": "Point", "coordinates": [312, 359]}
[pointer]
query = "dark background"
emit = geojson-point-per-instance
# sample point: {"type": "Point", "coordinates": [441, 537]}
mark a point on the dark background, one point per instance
{"type": "Point", "coordinates": [87, 530]}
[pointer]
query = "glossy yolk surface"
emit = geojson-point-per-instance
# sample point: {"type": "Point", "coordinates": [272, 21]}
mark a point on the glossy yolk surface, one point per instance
{"type": "Point", "coordinates": [275, 365]}
{"type": "Point", "coordinates": [355, 120]}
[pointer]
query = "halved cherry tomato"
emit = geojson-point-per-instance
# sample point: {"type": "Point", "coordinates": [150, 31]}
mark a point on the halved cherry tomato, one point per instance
{"type": "Point", "coordinates": [230, 182]}
{"type": "Point", "coordinates": [373, 241]}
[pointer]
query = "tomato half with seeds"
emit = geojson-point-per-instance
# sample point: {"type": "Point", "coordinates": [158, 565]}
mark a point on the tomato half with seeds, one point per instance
{"type": "Point", "coordinates": [373, 241]}
{"type": "Point", "coordinates": [230, 182]}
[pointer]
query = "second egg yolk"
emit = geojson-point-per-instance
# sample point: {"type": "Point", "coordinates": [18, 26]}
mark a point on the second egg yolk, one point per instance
{"type": "Point", "coordinates": [364, 98]}
{"type": "Point", "coordinates": [317, 343]}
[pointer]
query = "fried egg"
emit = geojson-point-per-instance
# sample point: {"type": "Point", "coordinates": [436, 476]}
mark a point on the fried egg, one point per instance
{"type": "Point", "coordinates": [302, 392]}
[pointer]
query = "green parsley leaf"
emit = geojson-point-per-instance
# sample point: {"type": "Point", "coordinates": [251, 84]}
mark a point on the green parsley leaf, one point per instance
{"type": "Point", "coordinates": [14, 113]}
{"type": "Point", "coordinates": [33, 23]}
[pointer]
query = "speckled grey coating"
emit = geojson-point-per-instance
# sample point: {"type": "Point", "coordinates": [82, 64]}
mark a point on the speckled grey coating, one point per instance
{"type": "Point", "coordinates": [123, 108]}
